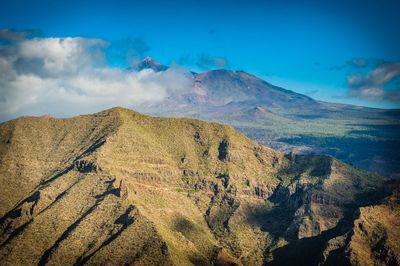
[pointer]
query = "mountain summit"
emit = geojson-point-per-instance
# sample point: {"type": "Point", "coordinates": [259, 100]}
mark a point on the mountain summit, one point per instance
{"type": "Point", "coordinates": [118, 187]}
{"type": "Point", "coordinates": [149, 63]}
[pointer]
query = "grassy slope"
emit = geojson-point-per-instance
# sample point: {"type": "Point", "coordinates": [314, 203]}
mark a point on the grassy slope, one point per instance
{"type": "Point", "coordinates": [167, 191]}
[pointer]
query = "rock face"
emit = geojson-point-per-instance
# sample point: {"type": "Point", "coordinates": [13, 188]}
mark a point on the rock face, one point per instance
{"type": "Point", "coordinates": [118, 187]}
{"type": "Point", "coordinates": [84, 166]}
{"type": "Point", "coordinates": [376, 234]}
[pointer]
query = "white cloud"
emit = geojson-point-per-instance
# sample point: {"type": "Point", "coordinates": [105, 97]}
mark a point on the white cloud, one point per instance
{"type": "Point", "coordinates": [63, 55]}
{"type": "Point", "coordinates": [67, 76]}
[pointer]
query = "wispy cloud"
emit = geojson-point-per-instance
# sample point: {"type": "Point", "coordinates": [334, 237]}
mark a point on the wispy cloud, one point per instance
{"type": "Point", "coordinates": [204, 61]}
{"type": "Point", "coordinates": [129, 50]}
{"type": "Point", "coordinates": [68, 76]}
{"type": "Point", "coordinates": [11, 35]}
{"type": "Point", "coordinates": [359, 63]}
{"type": "Point", "coordinates": [373, 85]}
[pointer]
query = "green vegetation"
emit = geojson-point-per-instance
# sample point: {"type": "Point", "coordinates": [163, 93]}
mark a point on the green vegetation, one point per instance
{"type": "Point", "coordinates": [119, 187]}
{"type": "Point", "coordinates": [370, 143]}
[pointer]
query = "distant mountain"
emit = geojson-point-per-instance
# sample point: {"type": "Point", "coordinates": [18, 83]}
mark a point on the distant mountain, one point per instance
{"type": "Point", "coordinates": [224, 87]}
{"type": "Point", "coordinates": [122, 188]}
{"type": "Point", "coordinates": [232, 90]}
{"type": "Point", "coordinates": [364, 137]}
{"type": "Point", "coordinates": [149, 63]}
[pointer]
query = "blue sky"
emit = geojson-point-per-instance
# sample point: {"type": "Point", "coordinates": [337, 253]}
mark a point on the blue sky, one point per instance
{"type": "Point", "coordinates": [310, 47]}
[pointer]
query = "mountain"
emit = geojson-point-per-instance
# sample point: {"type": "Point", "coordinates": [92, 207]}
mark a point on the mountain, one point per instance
{"type": "Point", "coordinates": [364, 137]}
{"type": "Point", "coordinates": [226, 90]}
{"type": "Point", "coordinates": [149, 63]}
{"type": "Point", "coordinates": [118, 187]}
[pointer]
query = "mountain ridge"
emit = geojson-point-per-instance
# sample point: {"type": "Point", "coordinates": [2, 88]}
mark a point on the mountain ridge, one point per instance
{"type": "Point", "coordinates": [122, 187]}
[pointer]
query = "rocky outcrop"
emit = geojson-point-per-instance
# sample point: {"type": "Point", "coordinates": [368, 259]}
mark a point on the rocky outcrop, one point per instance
{"type": "Point", "coordinates": [262, 192]}
{"type": "Point", "coordinates": [85, 166]}
{"type": "Point", "coordinates": [121, 188]}
{"type": "Point", "coordinates": [292, 196]}
{"type": "Point", "coordinates": [223, 150]}
{"type": "Point", "coordinates": [322, 199]}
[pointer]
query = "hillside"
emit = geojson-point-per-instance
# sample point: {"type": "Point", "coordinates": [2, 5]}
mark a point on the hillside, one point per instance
{"type": "Point", "coordinates": [118, 187]}
{"type": "Point", "coordinates": [364, 137]}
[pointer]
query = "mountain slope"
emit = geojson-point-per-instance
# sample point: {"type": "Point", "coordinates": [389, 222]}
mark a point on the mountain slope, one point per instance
{"type": "Point", "coordinates": [119, 187]}
{"type": "Point", "coordinates": [364, 137]}
{"type": "Point", "coordinates": [376, 234]}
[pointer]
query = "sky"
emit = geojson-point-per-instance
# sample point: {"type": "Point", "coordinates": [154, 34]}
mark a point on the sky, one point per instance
{"type": "Point", "coordinates": [335, 51]}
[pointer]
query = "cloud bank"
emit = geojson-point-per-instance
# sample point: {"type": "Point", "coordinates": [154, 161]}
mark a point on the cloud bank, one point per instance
{"type": "Point", "coordinates": [68, 76]}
